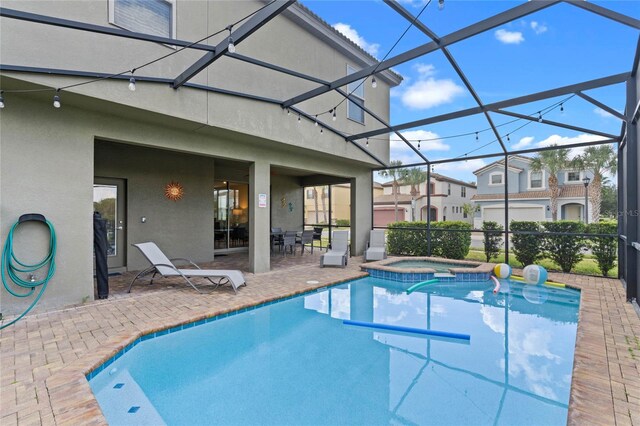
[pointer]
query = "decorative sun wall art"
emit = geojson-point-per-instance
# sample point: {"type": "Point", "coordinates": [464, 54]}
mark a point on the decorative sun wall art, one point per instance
{"type": "Point", "coordinates": [173, 191]}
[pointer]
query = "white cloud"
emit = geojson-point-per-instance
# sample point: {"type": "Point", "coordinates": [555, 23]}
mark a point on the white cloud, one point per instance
{"type": "Point", "coordinates": [430, 92]}
{"type": "Point", "coordinates": [429, 141]}
{"type": "Point", "coordinates": [538, 28]}
{"type": "Point", "coordinates": [523, 143]}
{"type": "Point", "coordinates": [602, 113]}
{"type": "Point", "coordinates": [353, 35]}
{"type": "Point", "coordinates": [509, 37]}
{"type": "Point", "coordinates": [564, 140]}
{"type": "Point", "coordinates": [425, 70]}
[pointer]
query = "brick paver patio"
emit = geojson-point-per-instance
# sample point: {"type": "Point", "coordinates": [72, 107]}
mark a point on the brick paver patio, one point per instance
{"type": "Point", "coordinates": [45, 356]}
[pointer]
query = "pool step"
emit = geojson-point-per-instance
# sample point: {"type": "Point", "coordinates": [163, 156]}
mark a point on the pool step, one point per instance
{"type": "Point", "coordinates": [443, 275]}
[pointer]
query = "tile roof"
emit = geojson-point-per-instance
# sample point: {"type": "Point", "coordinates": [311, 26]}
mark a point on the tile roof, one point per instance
{"type": "Point", "coordinates": [389, 199]}
{"type": "Point", "coordinates": [566, 191]}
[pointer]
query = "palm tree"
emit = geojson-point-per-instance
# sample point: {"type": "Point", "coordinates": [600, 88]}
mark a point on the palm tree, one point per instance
{"type": "Point", "coordinates": [414, 177]}
{"type": "Point", "coordinates": [553, 161]}
{"type": "Point", "coordinates": [396, 174]}
{"type": "Point", "coordinates": [597, 160]}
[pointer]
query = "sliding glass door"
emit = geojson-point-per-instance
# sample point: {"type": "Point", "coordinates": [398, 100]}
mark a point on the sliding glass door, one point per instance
{"type": "Point", "coordinates": [231, 215]}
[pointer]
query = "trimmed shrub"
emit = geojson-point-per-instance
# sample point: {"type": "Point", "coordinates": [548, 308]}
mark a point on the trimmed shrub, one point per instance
{"type": "Point", "coordinates": [343, 222]}
{"type": "Point", "coordinates": [526, 247]}
{"type": "Point", "coordinates": [452, 244]}
{"type": "Point", "coordinates": [413, 242]}
{"type": "Point", "coordinates": [492, 239]}
{"type": "Point", "coordinates": [565, 250]}
{"type": "Point", "coordinates": [407, 242]}
{"type": "Point", "coordinates": [605, 249]}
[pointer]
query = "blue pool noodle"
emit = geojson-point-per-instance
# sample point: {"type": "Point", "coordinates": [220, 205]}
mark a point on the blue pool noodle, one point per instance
{"type": "Point", "coordinates": [407, 329]}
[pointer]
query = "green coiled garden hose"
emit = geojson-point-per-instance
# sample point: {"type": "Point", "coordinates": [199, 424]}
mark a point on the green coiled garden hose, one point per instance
{"type": "Point", "coordinates": [12, 266]}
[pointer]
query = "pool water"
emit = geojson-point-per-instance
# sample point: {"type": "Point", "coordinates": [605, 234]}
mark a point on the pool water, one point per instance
{"type": "Point", "coordinates": [438, 266]}
{"type": "Point", "coordinates": [295, 362]}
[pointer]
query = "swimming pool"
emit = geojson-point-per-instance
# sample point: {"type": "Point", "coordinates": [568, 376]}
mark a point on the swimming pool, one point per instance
{"type": "Point", "coordinates": [295, 362]}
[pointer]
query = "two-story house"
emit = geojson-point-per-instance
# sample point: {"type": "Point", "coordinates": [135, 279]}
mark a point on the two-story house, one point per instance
{"type": "Point", "coordinates": [448, 199]}
{"type": "Point", "coordinates": [529, 195]}
{"type": "Point", "coordinates": [103, 107]}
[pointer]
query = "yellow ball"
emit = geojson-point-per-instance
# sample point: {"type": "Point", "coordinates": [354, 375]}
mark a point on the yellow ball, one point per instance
{"type": "Point", "coordinates": [502, 270]}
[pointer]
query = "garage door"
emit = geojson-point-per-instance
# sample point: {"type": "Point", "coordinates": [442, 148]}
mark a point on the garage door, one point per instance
{"type": "Point", "coordinates": [496, 214]}
{"type": "Point", "coordinates": [384, 217]}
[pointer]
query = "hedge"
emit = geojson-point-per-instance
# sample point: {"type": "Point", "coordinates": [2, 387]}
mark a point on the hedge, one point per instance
{"type": "Point", "coordinates": [492, 239]}
{"type": "Point", "coordinates": [605, 249]}
{"type": "Point", "coordinates": [565, 250]}
{"type": "Point", "coordinates": [452, 245]}
{"type": "Point", "coordinates": [526, 247]}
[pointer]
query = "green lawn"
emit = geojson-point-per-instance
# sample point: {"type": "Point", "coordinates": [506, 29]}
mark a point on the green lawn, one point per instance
{"type": "Point", "coordinates": [587, 266]}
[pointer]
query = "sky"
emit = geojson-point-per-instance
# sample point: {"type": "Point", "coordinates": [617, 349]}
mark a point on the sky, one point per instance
{"type": "Point", "coordinates": [554, 47]}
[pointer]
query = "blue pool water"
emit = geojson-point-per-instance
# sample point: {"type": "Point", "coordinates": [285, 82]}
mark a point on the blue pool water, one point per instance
{"type": "Point", "coordinates": [295, 362]}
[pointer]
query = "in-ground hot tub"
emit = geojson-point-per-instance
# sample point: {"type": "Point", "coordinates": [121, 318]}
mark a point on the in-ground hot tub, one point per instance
{"type": "Point", "coordinates": [414, 269]}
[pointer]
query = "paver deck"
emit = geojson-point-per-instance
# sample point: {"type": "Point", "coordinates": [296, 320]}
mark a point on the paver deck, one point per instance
{"type": "Point", "coordinates": [44, 357]}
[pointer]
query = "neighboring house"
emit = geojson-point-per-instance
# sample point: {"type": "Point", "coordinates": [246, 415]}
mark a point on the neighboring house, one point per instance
{"type": "Point", "coordinates": [528, 193]}
{"type": "Point", "coordinates": [232, 161]}
{"type": "Point", "coordinates": [448, 196]}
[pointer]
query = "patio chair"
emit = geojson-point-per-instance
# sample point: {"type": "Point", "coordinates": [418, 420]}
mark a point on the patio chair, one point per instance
{"type": "Point", "coordinates": [304, 239]}
{"type": "Point", "coordinates": [337, 254]}
{"type": "Point", "coordinates": [164, 266]}
{"type": "Point", "coordinates": [276, 238]}
{"type": "Point", "coordinates": [376, 247]}
{"type": "Point", "coordinates": [317, 235]}
{"type": "Point", "coordinates": [289, 241]}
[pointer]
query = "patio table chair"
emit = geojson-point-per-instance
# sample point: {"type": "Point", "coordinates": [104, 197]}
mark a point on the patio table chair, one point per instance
{"type": "Point", "coordinates": [337, 254]}
{"type": "Point", "coordinates": [304, 239]}
{"type": "Point", "coordinates": [276, 238]}
{"type": "Point", "coordinates": [289, 241]}
{"type": "Point", "coordinates": [317, 235]}
{"type": "Point", "coordinates": [161, 264]}
{"type": "Point", "coordinates": [376, 247]}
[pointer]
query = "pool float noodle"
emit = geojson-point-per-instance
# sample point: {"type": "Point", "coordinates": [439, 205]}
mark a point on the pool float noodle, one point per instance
{"type": "Point", "coordinates": [549, 283]}
{"type": "Point", "coordinates": [421, 284]}
{"type": "Point", "coordinates": [407, 329]}
{"type": "Point", "coordinates": [496, 289]}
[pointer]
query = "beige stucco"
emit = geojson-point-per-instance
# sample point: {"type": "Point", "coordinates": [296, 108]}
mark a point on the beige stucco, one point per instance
{"type": "Point", "coordinates": [49, 157]}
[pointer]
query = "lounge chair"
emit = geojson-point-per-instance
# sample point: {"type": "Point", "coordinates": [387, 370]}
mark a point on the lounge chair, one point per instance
{"type": "Point", "coordinates": [164, 266]}
{"type": "Point", "coordinates": [376, 248]}
{"type": "Point", "coordinates": [337, 254]}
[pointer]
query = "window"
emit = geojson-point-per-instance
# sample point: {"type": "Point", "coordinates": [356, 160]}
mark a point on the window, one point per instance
{"type": "Point", "coordinates": [496, 178]}
{"type": "Point", "coordinates": [464, 214]}
{"type": "Point", "coordinates": [156, 17]}
{"type": "Point", "coordinates": [310, 194]}
{"type": "Point", "coordinates": [463, 191]}
{"type": "Point", "coordinates": [573, 177]}
{"type": "Point", "coordinates": [449, 189]}
{"type": "Point", "coordinates": [354, 107]}
{"type": "Point", "coordinates": [535, 180]}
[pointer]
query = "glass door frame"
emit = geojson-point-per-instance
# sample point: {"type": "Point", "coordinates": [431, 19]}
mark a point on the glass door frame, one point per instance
{"type": "Point", "coordinates": [229, 214]}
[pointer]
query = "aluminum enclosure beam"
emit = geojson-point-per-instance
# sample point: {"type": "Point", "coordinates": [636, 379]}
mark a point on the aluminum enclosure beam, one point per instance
{"type": "Point", "coordinates": [252, 25]}
{"type": "Point", "coordinates": [586, 85]}
{"type": "Point", "coordinates": [422, 27]}
{"type": "Point", "coordinates": [277, 68]}
{"type": "Point", "coordinates": [557, 124]}
{"type": "Point", "coordinates": [463, 34]}
{"type": "Point", "coordinates": [607, 13]}
{"type": "Point", "coordinates": [98, 29]}
{"type": "Point", "coordinates": [601, 105]}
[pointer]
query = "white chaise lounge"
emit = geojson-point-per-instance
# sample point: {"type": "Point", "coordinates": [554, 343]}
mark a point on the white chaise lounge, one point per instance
{"type": "Point", "coordinates": [377, 249]}
{"type": "Point", "coordinates": [338, 254]}
{"type": "Point", "coordinates": [161, 264]}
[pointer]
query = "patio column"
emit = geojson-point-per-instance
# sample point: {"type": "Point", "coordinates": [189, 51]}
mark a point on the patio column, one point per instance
{"type": "Point", "coordinates": [361, 220]}
{"type": "Point", "coordinates": [259, 232]}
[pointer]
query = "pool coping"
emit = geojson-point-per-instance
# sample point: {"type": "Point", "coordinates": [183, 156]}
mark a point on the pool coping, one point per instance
{"type": "Point", "coordinates": [473, 267]}
{"type": "Point", "coordinates": [596, 379]}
